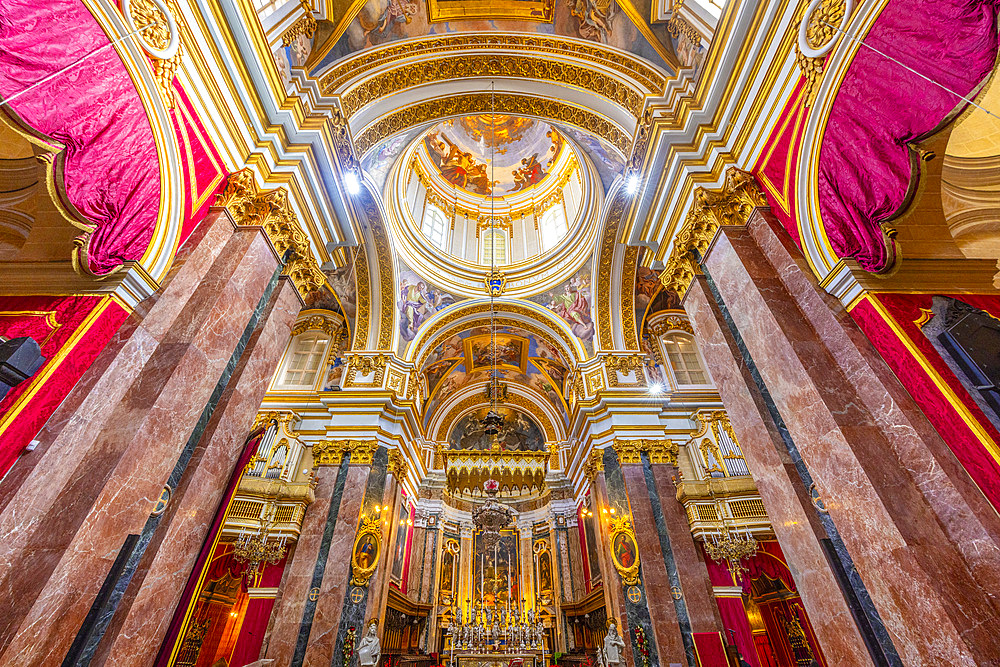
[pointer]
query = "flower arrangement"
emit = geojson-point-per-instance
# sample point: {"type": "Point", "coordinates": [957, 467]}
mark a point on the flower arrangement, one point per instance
{"type": "Point", "coordinates": [491, 485]}
{"type": "Point", "coordinates": [643, 643]}
{"type": "Point", "coordinates": [349, 641]}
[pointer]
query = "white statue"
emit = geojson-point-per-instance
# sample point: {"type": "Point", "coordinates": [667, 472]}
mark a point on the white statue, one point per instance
{"type": "Point", "coordinates": [369, 648]}
{"type": "Point", "coordinates": [613, 646]}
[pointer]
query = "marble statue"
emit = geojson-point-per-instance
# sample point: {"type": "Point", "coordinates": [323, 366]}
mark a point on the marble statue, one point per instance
{"type": "Point", "coordinates": [613, 646]}
{"type": "Point", "coordinates": [369, 648]}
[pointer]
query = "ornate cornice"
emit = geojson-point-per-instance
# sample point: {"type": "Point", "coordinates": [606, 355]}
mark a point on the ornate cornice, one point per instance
{"type": "Point", "coordinates": [729, 207]}
{"type": "Point", "coordinates": [331, 452]}
{"type": "Point", "coordinates": [651, 79]}
{"type": "Point", "coordinates": [318, 323]}
{"type": "Point", "coordinates": [506, 103]}
{"type": "Point", "coordinates": [272, 212]}
{"type": "Point", "coordinates": [447, 68]}
{"type": "Point", "coordinates": [670, 323]}
{"type": "Point", "coordinates": [660, 451]}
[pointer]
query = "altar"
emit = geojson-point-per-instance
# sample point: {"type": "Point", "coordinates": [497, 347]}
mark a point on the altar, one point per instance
{"type": "Point", "coordinates": [521, 658]}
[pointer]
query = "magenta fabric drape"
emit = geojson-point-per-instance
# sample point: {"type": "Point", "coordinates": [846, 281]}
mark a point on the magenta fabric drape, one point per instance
{"type": "Point", "coordinates": [249, 449]}
{"type": "Point", "coordinates": [111, 170]}
{"type": "Point", "coordinates": [864, 165]}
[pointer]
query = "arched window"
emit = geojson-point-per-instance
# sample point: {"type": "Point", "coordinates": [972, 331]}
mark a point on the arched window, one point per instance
{"type": "Point", "coordinates": [684, 359]}
{"type": "Point", "coordinates": [552, 226]}
{"type": "Point", "coordinates": [494, 247]}
{"type": "Point", "coordinates": [303, 361]}
{"type": "Point", "coordinates": [434, 225]}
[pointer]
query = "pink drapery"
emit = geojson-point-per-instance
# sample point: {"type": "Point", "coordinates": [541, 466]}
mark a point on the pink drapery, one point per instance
{"type": "Point", "coordinates": [191, 589]}
{"type": "Point", "coordinates": [864, 165]}
{"type": "Point", "coordinates": [111, 168]}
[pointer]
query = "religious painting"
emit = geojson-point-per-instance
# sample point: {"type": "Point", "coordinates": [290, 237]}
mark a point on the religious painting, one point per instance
{"type": "Point", "coordinates": [495, 569]}
{"type": "Point", "coordinates": [609, 162]}
{"type": "Point", "coordinates": [493, 153]}
{"type": "Point", "coordinates": [418, 301]}
{"type": "Point", "coordinates": [341, 281]}
{"type": "Point", "coordinates": [435, 372]}
{"type": "Point", "coordinates": [543, 383]}
{"type": "Point", "coordinates": [543, 563]}
{"type": "Point", "coordinates": [519, 432]}
{"type": "Point", "coordinates": [490, 10]}
{"type": "Point", "coordinates": [365, 554]}
{"type": "Point", "coordinates": [403, 533]}
{"type": "Point", "coordinates": [624, 551]}
{"type": "Point", "coordinates": [378, 161]}
{"type": "Point", "coordinates": [572, 301]}
{"type": "Point", "coordinates": [449, 563]}
{"type": "Point", "coordinates": [510, 351]}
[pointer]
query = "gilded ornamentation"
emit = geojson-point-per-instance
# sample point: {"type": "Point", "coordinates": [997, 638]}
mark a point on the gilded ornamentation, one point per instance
{"type": "Point", "coordinates": [272, 211]}
{"type": "Point", "coordinates": [363, 280]}
{"type": "Point", "coordinates": [397, 464]}
{"type": "Point", "coordinates": [660, 451]}
{"type": "Point", "coordinates": [624, 550]}
{"type": "Point", "coordinates": [161, 41]}
{"type": "Point", "coordinates": [305, 26]}
{"type": "Point", "coordinates": [678, 26]}
{"type": "Point", "coordinates": [387, 291]}
{"type": "Point", "coordinates": [605, 265]}
{"type": "Point", "coordinates": [430, 70]}
{"type": "Point", "coordinates": [331, 452]}
{"type": "Point", "coordinates": [671, 323]}
{"type": "Point", "coordinates": [625, 364]}
{"type": "Point", "coordinates": [318, 323]}
{"type": "Point", "coordinates": [730, 206]}
{"type": "Point", "coordinates": [506, 103]}
{"type": "Point", "coordinates": [366, 365]}
{"type": "Point", "coordinates": [263, 419]}
{"type": "Point", "coordinates": [366, 552]}
{"type": "Point", "coordinates": [495, 283]}
{"type": "Point", "coordinates": [594, 465]}
{"type": "Point", "coordinates": [817, 30]}
{"type": "Point", "coordinates": [370, 60]}
{"type": "Point", "coordinates": [629, 331]}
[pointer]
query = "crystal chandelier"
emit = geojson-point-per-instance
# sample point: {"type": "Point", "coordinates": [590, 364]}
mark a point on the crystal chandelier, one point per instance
{"type": "Point", "coordinates": [255, 549]}
{"type": "Point", "coordinates": [730, 546]}
{"type": "Point", "coordinates": [492, 516]}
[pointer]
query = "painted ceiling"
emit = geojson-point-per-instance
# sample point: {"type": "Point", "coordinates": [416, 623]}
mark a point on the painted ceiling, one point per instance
{"type": "Point", "coordinates": [523, 359]}
{"type": "Point", "coordinates": [511, 152]}
{"type": "Point", "coordinates": [519, 433]}
{"type": "Point", "coordinates": [624, 25]}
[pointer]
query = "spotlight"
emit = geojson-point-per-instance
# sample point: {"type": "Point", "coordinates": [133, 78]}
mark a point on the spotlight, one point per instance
{"type": "Point", "coordinates": [655, 388]}
{"type": "Point", "coordinates": [352, 183]}
{"type": "Point", "coordinates": [632, 184]}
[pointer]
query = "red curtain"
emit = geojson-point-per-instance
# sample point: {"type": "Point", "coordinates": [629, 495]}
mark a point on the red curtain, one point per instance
{"type": "Point", "coordinates": [191, 589]}
{"type": "Point", "coordinates": [256, 617]}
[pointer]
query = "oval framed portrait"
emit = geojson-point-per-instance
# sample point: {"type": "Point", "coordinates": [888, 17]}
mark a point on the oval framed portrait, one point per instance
{"type": "Point", "coordinates": [624, 551]}
{"type": "Point", "coordinates": [365, 555]}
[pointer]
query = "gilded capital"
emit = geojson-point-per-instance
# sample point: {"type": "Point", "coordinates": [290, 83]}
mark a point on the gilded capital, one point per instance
{"type": "Point", "coordinates": [659, 451]}
{"type": "Point", "coordinates": [272, 212]}
{"type": "Point", "coordinates": [729, 207]}
{"type": "Point", "coordinates": [628, 451]}
{"type": "Point", "coordinates": [594, 465]}
{"type": "Point", "coordinates": [397, 464]}
{"type": "Point", "coordinates": [331, 452]}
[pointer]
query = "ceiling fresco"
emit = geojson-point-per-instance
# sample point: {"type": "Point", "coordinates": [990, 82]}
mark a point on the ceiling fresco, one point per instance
{"type": "Point", "coordinates": [572, 301]}
{"type": "Point", "coordinates": [523, 359]}
{"type": "Point", "coordinates": [463, 148]}
{"type": "Point", "coordinates": [519, 432]}
{"type": "Point", "coordinates": [418, 300]}
{"type": "Point", "coordinates": [608, 161]}
{"type": "Point", "coordinates": [605, 21]}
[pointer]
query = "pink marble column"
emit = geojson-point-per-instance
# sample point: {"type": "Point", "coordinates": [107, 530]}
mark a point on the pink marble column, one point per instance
{"type": "Point", "coordinates": [696, 585]}
{"type": "Point", "coordinates": [614, 593]}
{"type": "Point", "coordinates": [291, 605]}
{"type": "Point", "coordinates": [921, 535]}
{"type": "Point", "coordinates": [778, 485]}
{"type": "Point", "coordinates": [107, 451]}
{"type": "Point", "coordinates": [656, 581]}
{"type": "Point", "coordinates": [159, 585]}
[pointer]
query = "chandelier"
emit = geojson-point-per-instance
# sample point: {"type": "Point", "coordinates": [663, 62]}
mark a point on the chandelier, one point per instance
{"type": "Point", "coordinates": [492, 516]}
{"type": "Point", "coordinates": [732, 548]}
{"type": "Point", "coordinates": [255, 549]}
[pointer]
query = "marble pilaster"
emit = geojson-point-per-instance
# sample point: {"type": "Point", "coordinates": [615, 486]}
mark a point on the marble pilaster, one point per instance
{"type": "Point", "coordinates": [159, 584]}
{"type": "Point", "coordinates": [918, 531]}
{"type": "Point", "coordinates": [105, 454]}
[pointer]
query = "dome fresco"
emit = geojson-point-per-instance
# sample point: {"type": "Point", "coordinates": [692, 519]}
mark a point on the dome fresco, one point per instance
{"type": "Point", "coordinates": [462, 150]}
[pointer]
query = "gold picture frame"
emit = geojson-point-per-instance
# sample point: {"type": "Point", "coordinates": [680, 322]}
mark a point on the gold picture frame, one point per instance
{"type": "Point", "coordinates": [366, 552]}
{"type": "Point", "coordinates": [539, 11]}
{"type": "Point", "coordinates": [624, 550]}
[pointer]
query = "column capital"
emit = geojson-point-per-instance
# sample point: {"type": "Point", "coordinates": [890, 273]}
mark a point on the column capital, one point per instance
{"type": "Point", "coordinates": [331, 452]}
{"type": "Point", "coordinates": [660, 450]}
{"type": "Point", "coordinates": [731, 205]}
